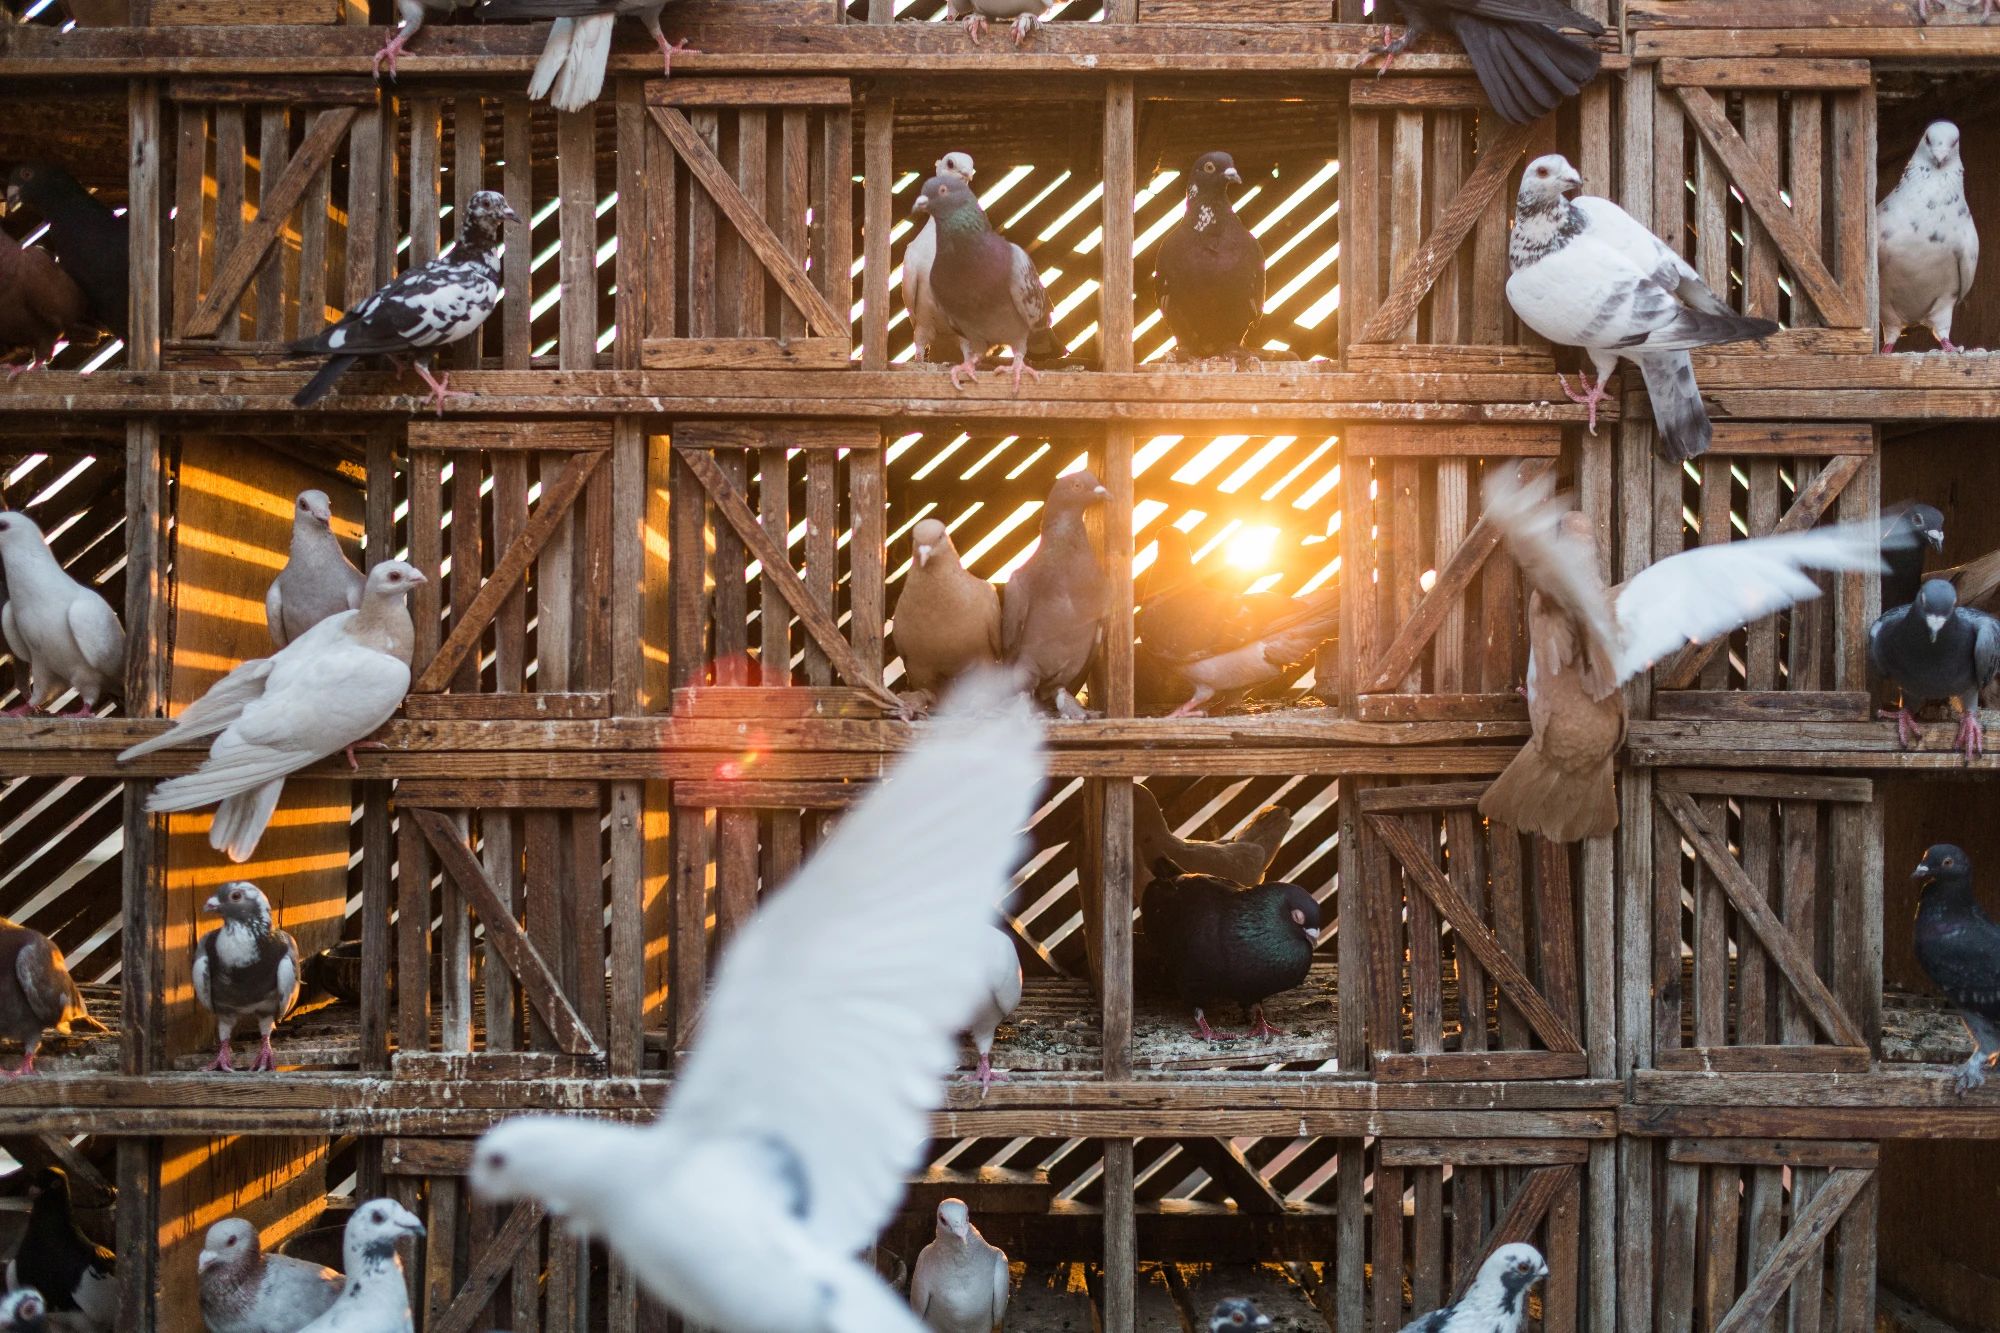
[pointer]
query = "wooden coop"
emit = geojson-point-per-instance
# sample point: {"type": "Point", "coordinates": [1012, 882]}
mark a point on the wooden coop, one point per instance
{"type": "Point", "coordinates": [1695, 1061]}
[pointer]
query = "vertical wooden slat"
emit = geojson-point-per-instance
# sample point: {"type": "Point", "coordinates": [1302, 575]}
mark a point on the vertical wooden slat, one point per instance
{"type": "Point", "coordinates": [1563, 1232]}
{"type": "Point", "coordinates": [1854, 1261]}
{"type": "Point", "coordinates": [878, 204]}
{"type": "Point", "coordinates": [1504, 864]}
{"type": "Point", "coordinates": [1426, 972]}
{"type": "Point", "coordinates": [1427, 1274]}
{"type": "Point", "coordinates": [1402, 589]}
{"type": "Point", "coordinates": [190, 178]}
{"type": "Point", "coordinates": [315, 222]}
{"type": "Point", "coordinates": [273, 148]}
{"type": "Point", "coordinates": [867, 555]}
{"type": "Point", "coordinates": [1444, 168]}
{"type": "Point", "coordinates": [586, 901]}
{"type": "Point", "coordinates": [1760, 252]}
{"type": "Point", "coordinates": [1387, 1286]}
{"type": "Point", "coordinates": [822, 550]}
{"type": "Point", "coordinates": [1808, 1294]}
{"type": "Point", "coordinates": [545, 896]}
{"type": "Point", "coordinates": [1361, 219]}
{"type": "Point", "coordinates": [576, 185]}
{"type": "Point", "coordinates": [230, 173]}
{"type": "Point", "coordinates": [752, 130]}
{"type": "Point", "coordinates": [517, 181]}
{"type": "Point", "coordinates": [440, 1246]}
{"type": "Point", "coordinates": [1120, 185]}
{"type": "Point", "coordinates": [1717, 1243]}
{"type": "Point", "coordinates": [792, 202]}
{"type": "Point", "coordinates": [689, 960]}
{"type": "Point", "coordinates": [1665, 981]}
{"type": "Point", "coordinates": [468, 177]}
{"type": "Point", "coordinates": [365, 206]}
{"type": "Point", "coordinates": [774, 617]}
{"type": "Point", "coordinates": [1674, 1308]}
{"type": "Point", "coordinates": [426, 162]}
{"type": "Point", "coordinates": [376, 841]}
{"type": "Point", "coordinates": [1555, 929]}
{"type": "Point", "coordinates": [1406, 199]}
{"type": "Point", "coordinates": [1382, 900]}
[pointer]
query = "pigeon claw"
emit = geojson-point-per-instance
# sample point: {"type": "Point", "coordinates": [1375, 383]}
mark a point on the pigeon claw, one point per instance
{"type": "Point", "coordinates": [1907, 731]}
{"type": "Point", "coordinates": [668, 50]}
{"type": "Point", "coordinates": [1196, 706]}
{"type": "Point", "coordinates": [440, 386]}
{"type": "Point", "coordinates": [1024, 29]}
{"type": "Point", "coordinates": [23, 709]}
{"type": "Point", "coordinates": [354, 765]}
{"type": "Point", "coordinates": [986, 1076]}
{"type": "Point", "coordinates": [1945, 344]}
{"type": "Point", "coordinates": [1971, 740]}
{"type": "Point", "coordinates": [1597, 394]}
{"type": "Point", "coordinates": [975, 28]}
{"type": "Point", "coordinates": [221, 1064]}
{"type": "Point", "coordinates": [267, 1059]}
{"type": "Point", "coordinates": [1021, 367]}
{"type": "Point", "coordinates": [386, 57]}
{"type": "Point", "coordinates": [27, 1067]}
{"type": "Point", "coordinates": [1261, 1027]}
{"type": "Point", "coordinates": [1971, 1074]}
{"type": "Point", "coordinates": [969, 369]}
{"type": "Point", "coordinates": [1207, 1033]}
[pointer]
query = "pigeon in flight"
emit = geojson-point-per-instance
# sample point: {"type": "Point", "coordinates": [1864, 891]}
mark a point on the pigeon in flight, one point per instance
{"type": "Point", "coordinates": [1524, 62]}
{"type": "Point", "coordinates": [1959, 948]}
{"type": "Point", "coordinates": [571, 71]}
{"type": "Point", "coordinates": [1498, 1300]}
{"type": "Point", "coordinates": [1928, 246]}
{"type": "Point", "coordinates": [1001, 966]}
{"type": "Point", "coordinates": [1905, 538]}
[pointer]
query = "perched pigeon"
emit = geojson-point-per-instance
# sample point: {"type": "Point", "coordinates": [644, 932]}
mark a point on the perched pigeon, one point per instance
{"type": "Point", "coordinates": [926, 329]}
{"type": "Point", "coordinates": [24, 1311]}
{"type": "Point", "coordinates": [1221, 941]}
{"type": "Point", "coordinates": [947, 620]}
{"type": "Point", "coordinates": [376, 1296]}
{"type": "Point", "coordinates": [245, 969]}
{"type": "Point", "coordinates": [318, 579]}
{"type": "Point", "coordinates": [571, 71]}
{"type": "Point", "coordinates": [960, 1283]}
{"type": "Point", "coordinates": [1236, 1314]}
{"type": "Point", "coordinates": [1587, 274]}
{"type": "Point", "coordinates": [410, 17]}
{"type": "Point", "coordinates": [1928, 247]}
{"type": "Point", "coordinates": [782, 1152]}
{"type": "Point", "coordinates": [1027, 16]}
{"type": "Point", "coordinates": [1001, 967]}
{"type": "Point", "coordinates": [1524, 63]}
{"type": "Point", "coordinates": [1904, 538]}
{"type": "Point", "coordinates": [1242, 859]}
{"type": "Point", "coordinates": [36, 992]}
{"type": "Point", "coordinates": [1209, 274]}
{"type": "Point", "coordinates": [1936, 649]}
{"type": "Point", "coordinates": [90, 241]}
{"type": "Point", "coordinates": [986, 288]}
{"type": "Point", "coordinates": [244, 1290]}
{"type": "Point", "coordinates": [319, 695]}
{"type": "Point", "coordinates": [1498, 1301]}
{"type": "Point", "coordinates": [429, 306]}
{"type": "Point", "coordinates": [67, 633]}
{"type": "Point", "coordinates": [1585, 640]}
{"type": "Point", "coordinates": [1054, 610]}
{"type": "Point", "coordinates": [76, 1276]}
{"type": "Point", "coordinates": [40, 305]}
{"type": "Point", "coordinates": [1959, 948]}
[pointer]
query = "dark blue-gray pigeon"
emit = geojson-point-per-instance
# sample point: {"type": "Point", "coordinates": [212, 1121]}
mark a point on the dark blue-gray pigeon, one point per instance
{"type": "Point", "coordinates": [245, 970]}
{"type": "Point", "coordinates": [76, 1276]}
{"type": "Point", "coordinates": [1498, 1299]}
{"type": "Point", "coordinates": [1052, 610]}
{"type": "Point", "coordinates": [1209, 274]}
{"type": "Point", "coordinates": [1906, 536]}
{"type": "Point", "coordinates": [1936, 649]}
{"type": "Point", "coordinates": [1215, 941]}
{"type": "Point", "coordinates": [244, 1290]}
{"type": "Point", "coordinates": [1524, 62]}
{"type": "Point", "coordinates": [1959, 948]}
{"type": "Point", "coordinates": [986, 288]}
{"type": "Point", "coordinates": [570, 72]}
{"type": "Point", "coordinates": [1237, 1314]}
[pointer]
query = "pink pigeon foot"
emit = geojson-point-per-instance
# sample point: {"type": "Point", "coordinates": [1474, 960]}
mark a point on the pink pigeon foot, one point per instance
{"type": "Point", "coordinates": [1021, 367]}
{"type": "Point", "coordinates": [1197, 706]}
{"type": "Point", "coordinates": [19, 710]}
{"type": "Point", "coordinates": [1888, 348]}
{"type": "Point", "coordinates": [78, 709]}
{"type": "Point", "coordinates": [267, 1058]}
{"type": "Point", "coordinates": [1947, 345]}
{"type": "Point", "coordinates": [1208, 1033]}
{"type": "Point", "coordinates": [440, 387]}
{"type": "Point", "coordinates": [1024, 29]}
{"type": "Point", "coordinates": [352, 764]}
{"type": "Point", "coordinates": [1907, 731]}
{"type": "Point", "coordinates": [1971, 740]}
{"type": "Point", "coordinates": [1388, 50]}
{"type": "Point", "coordinates": [969, 369]}
{"type": "Point", "coordinates": [15, 372]}
{"type": "Point", "coordinates": [25, 1068]}
{"type": "Point", "coordinates": [1262, 1026]}
{"type": "Point", "coordinates": [222, 1063]}
{"type": "Point", "coordinates": [386, 57]}
{"type": "Point", "coordinates": [1597, 395]}
{"type": "Point", "coordinates": [986, 1075]}
{"type": "Point", "coordinates": [975, 28]}
{"type": "Point", "coordinates": [668, 50]}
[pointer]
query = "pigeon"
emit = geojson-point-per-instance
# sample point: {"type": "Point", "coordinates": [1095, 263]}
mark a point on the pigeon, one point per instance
{"type": "Point", "coordinates": [1936, 649]}
{"type": "Point", "coordinates": [1209, 273]}
{"type": "Point", "coordinates": [1928, 247]}
{"type": "Point", "coordinates": [435, 303]}
{"type": "Point", "coordinates": [1243, 858]}
{"type": "Point", "coordinates": [76, 1276]}
{"type": "Point", "coordinates": [375, 1297]}
{"type": "Point", "coordinates": [1587, 274]}
{"type": "Point", "coordinates": [1904, 538]}
{"type": "Point", "coordinates": [36, 992]}
{"type": "Point", "coordinates": [1027, 15]}
{"type": "Point", "coordinates": [90, 241]}
{"type": "Point", "coordinates": [245, 969]}
{"type": "Point", "coordinates": [1524, 63]}
{"type": "Point", "coordinates": [1498, 1300]}
{"type": "Point", "coordinates": [1235, 1314]}
{"type": "Point", "coordinates": [24, 1311]}
{"type": "Point", "coordinates": [40, 305]}
{"type": "Point", "coordinates": [1585, 640]}
{"type": "Point", "coordinates": [947, 620]}
{"type": "Point", "coordinates": [67, 633]}
{"type": "Point", "coordinates": [244, 1290]}
{"type": "Point", "coordinates": [1216, 941]}
{"type": "Point", "coordinates": [1959, 948]}
{"type": "Point", "coordinates": [782, 1153]}
{"type": "Point", "coordinates": [986, 288]}
{"type": "Point", "coordinates": [1056, 602]}
{"type": "Point", "coordinates": [926, 330]}
{"type": "Point", "coordinates": [318, 579]}
{"type": "Point", "coordinates": [318, 695]}
{"type": "Point", "coordinates": [410, 17]}
{"type": "Point", "coordinates": [1001, 967]}
{"type": "Point", "coordinates": [960, 1283]}
{"type": "Point", "coordinates": [571, 71]}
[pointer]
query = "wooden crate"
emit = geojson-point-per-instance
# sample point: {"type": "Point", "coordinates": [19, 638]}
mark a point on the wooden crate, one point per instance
{"type": "Point", "coordinates": [198, 13]}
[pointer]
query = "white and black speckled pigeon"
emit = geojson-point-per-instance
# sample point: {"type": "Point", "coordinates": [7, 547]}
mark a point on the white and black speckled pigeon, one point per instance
{"type": "Point", "coordinates": [1928, 246]}
{"type": "Point", "coordinates": [36, 992]}
{"type": "Point", "coordinates": [1209, 273]}
{"type": "Point", "coordinates": [410, 15]}
{"type": "Point", "coordinates": [24, 1311]}
{"type": "Point", "coordinates": [571, 71]}
{"type": "Point", "coordinates": [1001, 967]}
{"type": "Point", "coordinates": [926, 329]}
{"type": "Point", "coordinates": [1936, 649]}
{"type": "Point", "coordinates": [376, 1296]}
{"type": "Point", "coordinates": [244, 1290]}
{"type": "Point", "coordinates": [987, 290]}
{"type": "Point", "coordinates": [1959, 948]}
{"type": "Point", "coordinates": [67, 633]}
{"type": "Point", "coordinates": [1906, 535]}
{"type": "Point", "coordinates": [1524, 63]}
{"type": "Point", "coordinates": [1052, 612]}
{"type": "Point", "coordinates": [834, 1019]}
{"type": "Point", "coordinates": [1027, 16]}
{"type": "Point", "coordinates": [960, 1284]}
{"type": "Point", "coordinates": [76, 1276]}
{"type": "Point", "coordinates": [318, 579]}
{"type": "Point", "coordinates": [1587, 274]}
{"type": "Point", "coordinates": [245, 969]}
{"type": "Point", "coordinates": [428, 307]}
{"type": "Point", "coordinates": [1498, 1299]}
{"type": "Point", "coordinates": [1237, 1314]}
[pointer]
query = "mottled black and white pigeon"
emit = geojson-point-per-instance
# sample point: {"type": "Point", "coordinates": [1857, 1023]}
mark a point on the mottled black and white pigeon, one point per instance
{"type": "Point", "coordinates": [1498, 1299]}
{"type": "Point", "coordinates": [960, 1283]}
{"type": "Point", "coordinates": [90, 241]}
{"type": "Point", "coordinates": [1027, 16]}
{"type": "Point", "coordinates": [988, 291]}
{"type": "Point", "coordinates": [318, 579]}
{"type": "Point", "coordinates": [1905, 537]}
{"type": "Point", "coordinates": [36, 992]}
{"type": "Point", "coordinates": [245, 970]}
{"type": "Point", "coordinates": [1587, 274]}
{"type": "Point", "coordinates": [1237, 1314]}
{"type": "Point", "coordinates": [244, 1290]}
{"type": "Point", "coordinates": [571, 71]}
{"type": "Point", "coordinates": [1928, 246]}
{"type": "Point", "coordinates": [76, 1276]}
{"type": "Point", "coordinates": [1219, 941]}
{"type": "Point", "coordinates": [66, 632]}
{"type": "Point", "coordinates": [1052, 611]}
{"type": "Point", "coordinates": [1209, 274]}
{"type": "Point", "coordinates": [428, 307]}
{"type": "Point", "coordinates": [1936, 649]}
{"type": "Point", "coordinates": [376, 1296]}
{"type": "Point", "coordinates": [926, 329]}
{"type": "Point", "coordinates": [24, 1311]}
{"type": "Point", "coordinates": [1959, 948]}
{"type": "Point", "coordinates": [1524, 62]}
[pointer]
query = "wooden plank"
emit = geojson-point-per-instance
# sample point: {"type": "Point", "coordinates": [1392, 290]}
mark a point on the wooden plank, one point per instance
{"type": "Point", "coordinates": [1431, 94]}
{"type": "Point", "coordinates": [1763, 73]}
{"type": "Point", "coordinates": [512, 705]}
{"type": "Point", "coordinates": [1482, 1152]}
{"type": "Point", "coordinates": [1369, 439]}
{"type": "Point", "coordinates": [1808, 1233]}
{"type": "Point", "coordinates": [709, 90]}
{"type": "Point", "coordinates": [1759, 705]}
{"type": "Point", "coordinates": [1502, 1064]}
{"type": "Point", "coordinates": [1833, 1153]}
{"type": "Point", "coordinates": [492, 1263]}
{"type": "Point", "coordinates": [569, 437]}
{"type": "Point", "coordinates": [795, 433]}
{"type": "Point", "coordinates": [496, 793]}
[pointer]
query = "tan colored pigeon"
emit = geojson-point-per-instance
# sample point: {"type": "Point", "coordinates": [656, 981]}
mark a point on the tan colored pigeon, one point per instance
{"type": "Point", "coordinates": [947, 620]}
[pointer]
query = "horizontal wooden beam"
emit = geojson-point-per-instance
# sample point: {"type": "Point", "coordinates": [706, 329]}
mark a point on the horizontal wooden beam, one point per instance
{"type": "Point", "coordinates": [1775, 1152]}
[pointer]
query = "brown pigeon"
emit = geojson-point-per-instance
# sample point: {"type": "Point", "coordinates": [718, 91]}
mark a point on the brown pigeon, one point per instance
{"type": "Point", "coordinates": [947, 620]}
{"type": "Point", "coordinates": [39, 304]}
{"type": "Point", "coordinates": [1055, 605]}
{"type": "Point", "coordinates": [36, 992]}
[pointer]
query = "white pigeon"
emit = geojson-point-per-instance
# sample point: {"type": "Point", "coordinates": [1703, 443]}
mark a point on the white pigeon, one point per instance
{"type": "Point", "coordinates": [1498, 1300]}
{"type": "Point", "coordinates": [1927, 247]}
{"type": "Point", "coordinates": [570, 72]}
{"type": "Point", "coordinates": [1587, 274]}
{"type": "Point", "coordinates": [24, 1311]}
{"type": "Point", "coordinates": [68, 634]}
{"type": "Point", "coordinates": [1027, 16]}
{"type": "Point", "coordinates": [804, 1105]}
{"type": "Point", "coordinates": [960, 1283]}
{"type": "Point", "coordinates": [244, 1290]}
{"type": "Point", "coordinates": [376, 1297]}
{"type": "Point", "coordinates": [318, 579]}
{"type": "Point", "coordinates": [1000, 966]}
{"type": "Point", "coordinates": [322, 693]}
{"type": "Point", "coordinates": [925, 326]}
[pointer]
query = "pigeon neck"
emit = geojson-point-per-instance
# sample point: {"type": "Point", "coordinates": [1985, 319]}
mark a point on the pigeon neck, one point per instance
{"type": "Point", "coordinates": [382, 612]}
{"type": "Point", "coordinates": [970, 221]}
{"type": "Point", "coordinates": [1541, 225]}
{"type": "Point", "coordinates": [310, 538]}
{"type": "Point", "coordinates": [1206, 211]}
{"type": "Point", "coordinates": [256, 928]}
{"type": "Point", "coordinates": [1948, 894]}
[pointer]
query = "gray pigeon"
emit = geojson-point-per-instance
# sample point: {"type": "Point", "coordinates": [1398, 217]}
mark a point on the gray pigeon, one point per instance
{"type": "Point", "coordinates": [24, 1311]}
{"type": "Point", "coordinates": [245, 969]}
{"type": "Point", "coordinates": [318, 579]}
{"type": "Point", "coordinates": [1027, 16]}
{"type": "Point", "coordinates": [571, 71]}
{"type": "Point", "coordinates": [36, 992]}
{"type": "Point", "coordinates": [1587, 274]}
{"type": "Point", "coordinates": [1928, 247]}
{"type": "Point", "coordinates": [960, 1283]}
{"type": "Point", "coordinates": [1237, 1314]}
{"type": "Point", "coordinates": [68, 634]}
{"type": "Point", "coordinates": [410, 17]}
{"type": "Point", "coordinates": [1002, 967]}
{"type": "Point", "coordinates": [988, 292]}
{"type": "Point", "coordinates": [1053, 612]}
{"type": "Point", "coordinates": [1498, 1300]}
{"type": "Point", "coordinates": [376, 1297]}
{"type": "Point", "coordinates": [1936, 649]}
{"type": "Point", "coordinates": [1905, 538]}
{"type": "Point", "coordinates": [244, 1290]}
{"type": "Point", "coordinates": [926, 330]}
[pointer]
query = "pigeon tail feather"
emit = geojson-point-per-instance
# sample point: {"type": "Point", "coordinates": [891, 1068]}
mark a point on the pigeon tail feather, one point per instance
{"type": "Point", "coordinates": [1525, 69]}
{"type": "Point", "coordinates": [320, 385]}
{"type": "Point", "coordinates": [581, 76]}
{"type": "Point", "coordinates": [1677, 407]}
{"type": "Point", "coordinates": [240, 820]}
{"type": "Point", "coordinates": [555, 51]}
{"type": "Point", "coordinates": [1563, 805]}
{"type": "Point", "coordinates": [1704, 328]}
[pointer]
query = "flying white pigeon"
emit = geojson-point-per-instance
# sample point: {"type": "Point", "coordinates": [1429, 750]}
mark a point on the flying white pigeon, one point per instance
{"type": "Point", "coordinates": [318, 579]}
{"type": "Point", "coordinates": [1928, 247]}
{"type": "Point", "coordinates": [960, 1283]}
{"type": "Point", "coordinates": [322, 693]}
{"type": "Point", "coordinates": [376, 1298]}
{"type": "Point", "coordinates": [1498, 1300]}
{"type": "Point", "coordinates": [67, 633]}
{"type": "Point", "coordinates": [244, 1290]}
{"type": "Point", "coordinates": [804, 1104]}
{"type": "Point", "coordinates": [1587, 274]}
{"type": "Point", "coordinates": [1001, 967]}
{"type": "Point", "coordinates": [926, 327]}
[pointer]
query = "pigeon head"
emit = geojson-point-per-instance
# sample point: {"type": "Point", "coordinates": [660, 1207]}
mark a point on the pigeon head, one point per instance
{"type": "Point", "coordinates": [50, 1184]}
{"type": "Point", "coordinates": [1941, 143]}
{"type": "Point", "coordinates": [1936, 601]}
{"type": "Point", "coordinates": [36, 184]}
{"type": "Point", "coordinates": [17, 529]}
{"type": "Point", "coordinates": [394, 578]}
{"type": "Point", "coordinates": [1917, 523]}
{"type": "Point", "coordinates": [241, 902]}
{"type": "Point", "coordinates": [956, 164]}
{"type": "Point", "coordinates": [373, 1231]}
{"type": "Point", "coordinates": [314, 507]}
{"type": "Point", "coordinates": [24, 1311]}
{"type": "Point", "coordinates": [1302, 909]}
{"type": "Point", "coordinates": [1213, 173]}
{"type": "Point", "coordinates": [945, 197]}
{"type": "Point", "coordinates": [484, 213]}
{"type": "Point", "coordinates": [1237, 1313]}
{"type": "Point", "coordinates": [1509, 1271]}
{"type": "Point", "coordinates": [1547, 180]}
{"type": "Point", "coordinates": [230, 1243]}
{"type": "Point", "coordinates": [552, 1159]}
{"type": "Point", "coordinates": [1943, 864]}
{"type": "Point", "coordinates": [953, 1219]}
{"type": "Point", "coordinates": [1077, 492]}
{"type": "Point", "coordinates": [929, 539]}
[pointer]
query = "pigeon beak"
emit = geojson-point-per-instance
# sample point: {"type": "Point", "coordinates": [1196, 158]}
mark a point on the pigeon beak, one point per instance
{"type": "Point", "coordinates": [1935, 538]}
{"type": "Point", "coordinates": [415, 1228]}
{"type": "Point", "coordinates": [13, 196]}
{"type": "Point", "coordinates": [507, 211]}
{"type": "Point", "coordinates": [1101, 493]}
{"type": "Point", "coordinates": [923, 555]}
{"type": "Point", "coordinates": [214, 903]}
{"type": "Point", "coordinates": [208, 1260]}
{"type": "Point", "coordinates": [1923, 874]}
{"type": "Point", "coordinates": [959, 1229]}
{"type": "Point", "coordinates": [1233, 176]}
{"type": "Point", "coordinates": [923, 205]}
{"type": "Point", "coordinates": [417, 577]}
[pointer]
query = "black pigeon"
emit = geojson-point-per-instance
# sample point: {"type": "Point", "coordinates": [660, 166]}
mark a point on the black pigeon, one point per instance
{"type": "Point", "coordinates": [987, 290]}
{"type": "Point", "coordinates": [1904, 540]}
{"type": "Point", "coordinates": [36, 991]}
{"type": "Point", "coordinates": [430, 306]}
{"type": "Point", "coordinates": [24, 1311]}
{"type": "Point", "coordinates": [1237, 1314]}
{"type": "Point", "coordinates": [1217, 941]}
{"type": "Point", "coordinates": [1959, 947]}
{"type": "Point", "coordinates": [245, 969]}
{"type": "Point", "coordinates": [1209, 276]}
{"type": "Point", "coordinates": [1524, 62]}
{"type": "Point", "coordinates": [92, 243]}
{"type": "Point", "coordinates": [1936, 649]}
{"type": "Point", "coordinates": [74, 1273]}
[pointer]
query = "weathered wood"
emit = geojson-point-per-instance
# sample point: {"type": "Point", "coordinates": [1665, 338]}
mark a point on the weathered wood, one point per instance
{"type": "Point", "coordinates": [1489, 1152]}
{"type": "Point", "coordinates": [1809, 1231]}
{"type": "Point", "coordinates": [1776, 1152]}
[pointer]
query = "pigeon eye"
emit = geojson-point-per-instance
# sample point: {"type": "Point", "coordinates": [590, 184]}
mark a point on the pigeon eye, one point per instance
{"type": "Point", "coordinates": [230, 1241]}
{"type": "Point", "coordinates": [1236, 1318]}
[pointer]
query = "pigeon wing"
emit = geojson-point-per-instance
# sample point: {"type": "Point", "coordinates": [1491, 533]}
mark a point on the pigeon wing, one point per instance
{"type": "Point", "coordinates": [222, 705]}
{"type": "Point", "coordinates": [1965, 963]}
{"type": "Point", "coordinates": [1528, 515]}
{"type": "Point", "coordinates": [1031, 299]}
{"type": "Point", "coordinates": [98, 635]}
{"type": "Point", "coordinates": [51, 992]}
{"type": "Point", "coordinates": [13, 635]}
{"type": "Point", "coordinates": [1985, 646]}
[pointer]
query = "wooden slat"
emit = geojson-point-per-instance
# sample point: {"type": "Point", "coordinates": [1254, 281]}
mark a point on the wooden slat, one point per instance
{"type": "Point", "coordinates": [1763, 73]}
{"type": "Point", "coordinates": [1845, 1153]}
{"type": "Point", "coordinates": [709, 90]}
{"type": "Point", "coordinates": [1810, 1228]}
